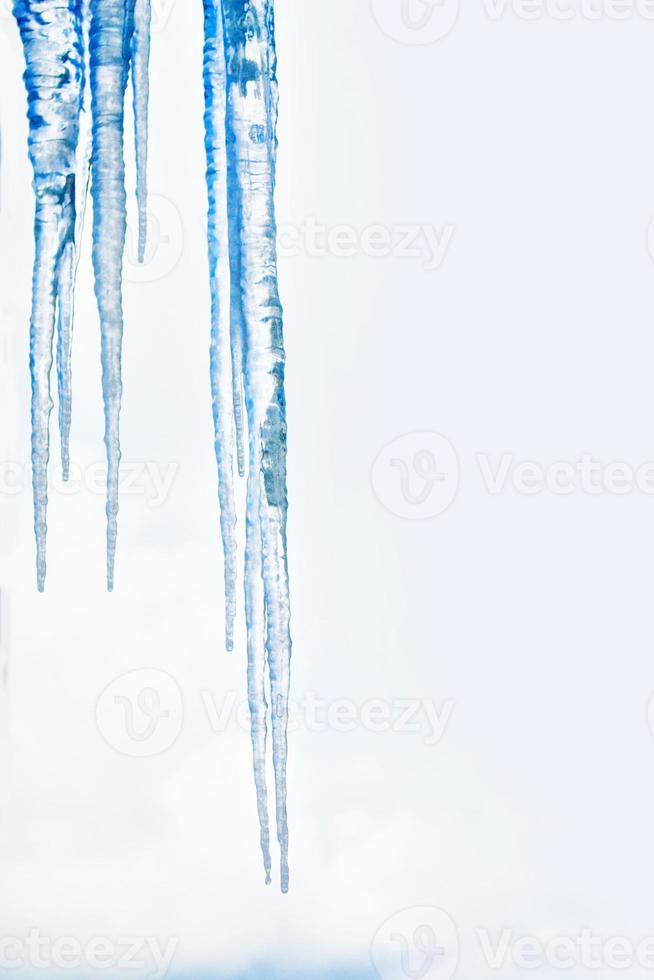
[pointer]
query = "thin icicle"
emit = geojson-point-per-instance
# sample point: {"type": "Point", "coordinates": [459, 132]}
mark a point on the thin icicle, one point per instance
{"type": "Point", "coordinates": [52, 38]}
{"type": "Point", "coordinates": [251, 125]}
{"type": "Point", "coordinates": [66, 292]}
{"type": "Point", "coordinates": [140, 80]}
{"type": "Point", "coordinates": [71, 257]}
{"type": "Point", "coordinates": [254, 610]}
{"type": "Point", "coordinates": [236, 301]}
{"type": "Point", "coordinates": [221, 367]}
{"type": "Point", "coordinates": [112, 28]}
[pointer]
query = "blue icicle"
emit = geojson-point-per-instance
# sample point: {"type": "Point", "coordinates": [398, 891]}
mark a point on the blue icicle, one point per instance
{"type": "Point", "coordinates": [221, 367]}
{"type": "Point", "coordinates": [112, 29]}
{"type": "Point", "coordinates": [251, 128]}
{"type": "Point", "coordinates": [255, 616]}
{"type": "Point", "coordinates": [52, 36]}
{"type": "Point", "coordinates": [70, 262]}
{"type": "Point", "coordinates": [65, 300]}
{"type": "Point", "coordinates": [140, 81]}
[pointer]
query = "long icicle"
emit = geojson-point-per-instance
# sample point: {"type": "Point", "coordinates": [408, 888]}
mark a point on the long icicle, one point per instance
{"type": "Point", "coordinates": [251, 125]}
{"type": "Point", "coordinates": [221, 366]}
{"type": "Point", "coordinates": [70, 259]}
{"type": "Point", "coordinates": [112, 29]}
{"type": "Point", "coordinates": [52, 36]}
{"type": "Point", "coordinates": [140, 81]}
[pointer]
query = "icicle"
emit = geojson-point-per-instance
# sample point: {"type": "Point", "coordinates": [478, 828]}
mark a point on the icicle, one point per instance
{"type": "Point", "coordinates": [254, 610]}
{"type": "Point", "coordinates": [112, 29]}
{"type": "Point", "coordinates": [221, 383]}
{"type": "Point", "coordinates": [251, 128]}
{"type": "Point", "coordinates": [236, 302]}
{"type": "Point", "coordinates": [66, 292]}
{"type": "Point", "coordinates": [52, 36]}
{"type": "Point", "coordinates": [70, 260]}
{"type": "Point", "coordinates": [140, 68]}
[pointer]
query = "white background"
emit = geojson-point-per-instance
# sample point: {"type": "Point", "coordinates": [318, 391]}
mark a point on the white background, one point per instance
{"type": "Point", "coordinates": [526, 617]}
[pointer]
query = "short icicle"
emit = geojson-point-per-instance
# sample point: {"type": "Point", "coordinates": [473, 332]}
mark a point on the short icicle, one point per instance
{"type": "Point", "coordinates": [52, 36]}
{"type": "Point", "coordinates": [112, 29]}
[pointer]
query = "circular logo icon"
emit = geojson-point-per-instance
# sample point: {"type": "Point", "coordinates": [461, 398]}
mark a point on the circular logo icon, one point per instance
{"type": "Point", "coordinates": [141, 713]}
{"type": "Point", "coordinates": [416, 21]}
{"type": "Point", "coordinates": [165, 242]}
{"type": "Point", "coordinates": [416, 476]}
{"type": "Point", "coordinates": [161, 11]}
{"type": "Point", "coordinates": [420, 943]}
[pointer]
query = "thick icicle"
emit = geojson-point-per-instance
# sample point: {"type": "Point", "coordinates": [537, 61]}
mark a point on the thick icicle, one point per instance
{"type": "Point", "coordinates": [251, 126]}
{"type": "Point", "coordinates": [112, 29]}
{"type": "Point", "coordinates": [140, 80]}
{"type": "Point", "coordinates": [221, 366]}
{"type": "Point", "coordinates": [52, 35]}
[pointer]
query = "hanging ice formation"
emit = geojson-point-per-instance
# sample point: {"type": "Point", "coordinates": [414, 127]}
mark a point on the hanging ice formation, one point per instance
{"type": "Point", "coordinates": [66, 41]}
{"type": "Point", "coordinates": [247, 362]}
{"type": "Point", "coordinates": [61, 38]}
{"type": "Point", "coordinates": [53, 40]}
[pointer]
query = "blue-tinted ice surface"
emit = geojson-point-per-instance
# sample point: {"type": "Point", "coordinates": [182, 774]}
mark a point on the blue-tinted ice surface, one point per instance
{"type": "Point", "coordinates": [60, 37]}
{"type": "Point", "coordinates": [112, 31]}
{"type": "Point", "coordinates": [52, 35]}
{"type": "Point", "coordinates": [248, 357]}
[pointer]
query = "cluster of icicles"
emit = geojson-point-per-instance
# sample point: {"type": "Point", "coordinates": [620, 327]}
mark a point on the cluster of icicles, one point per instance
{"type": "Point", "coordinates": [83, 51]}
